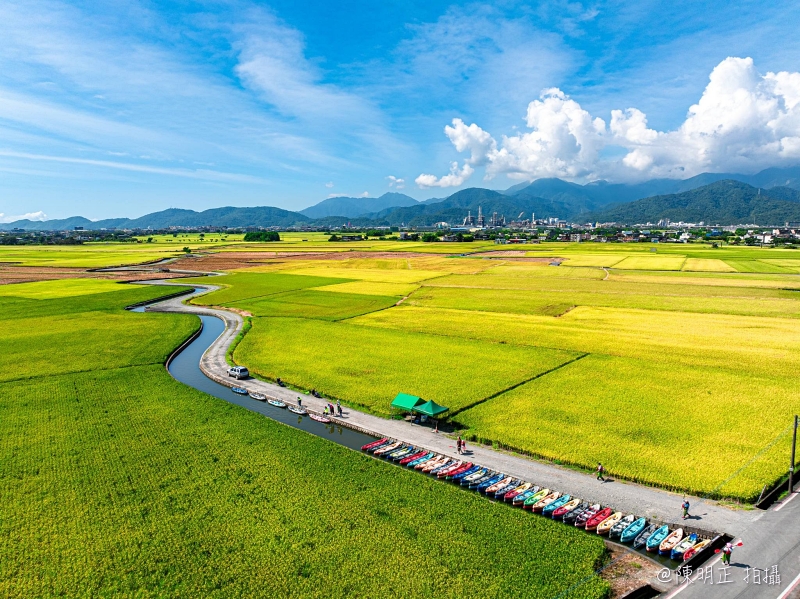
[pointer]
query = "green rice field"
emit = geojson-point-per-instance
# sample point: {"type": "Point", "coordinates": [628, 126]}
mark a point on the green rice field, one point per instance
{"type": "Point", "coordinates": [116, 480]}
{"type": "Point", "coordinates": [696, 346]}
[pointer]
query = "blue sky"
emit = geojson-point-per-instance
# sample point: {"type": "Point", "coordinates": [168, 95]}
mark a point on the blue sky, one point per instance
{"type": "Point", "coordinates": [124, 108]}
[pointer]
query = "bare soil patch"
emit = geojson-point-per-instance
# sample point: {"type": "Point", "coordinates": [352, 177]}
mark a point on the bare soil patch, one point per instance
{"type": "Point", "coordinates": [29, 274]}
{"type": "Point", "coordinates": [222, 261]}
{"type": "Point", "coordinates": [630, 572]}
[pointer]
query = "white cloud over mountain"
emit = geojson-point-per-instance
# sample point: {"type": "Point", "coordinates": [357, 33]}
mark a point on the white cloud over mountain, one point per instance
{"type": "Point", "coordinates": [743, 122]}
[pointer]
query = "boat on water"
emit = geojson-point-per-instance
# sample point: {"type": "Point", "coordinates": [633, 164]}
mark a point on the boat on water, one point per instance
{"type": "Point", "coordinates": [632, 530]}
{"type": "Point", "coordinates": [606, 525]}
{"type": "Point", "coordinates": [491, 483]}
{"type": "Point", "coordinates": [257, 396]}
{"type": "Point", "coordinates": [554, 505]}
{"type": "Point", "coordinates": [616, 530]}
{"type": "Point", "coordinates": [433, 464]}
{"type": "Point", "coordinates": [690, 553]}
{"type": "Point", "coordinates": [429, 464]}
{"type": "Point", "coordinates": [276, 402]}
{"type": "Point", "coordinates": [545, 501]}
{"type": "Point", "coordinates": [421, 460]}
{"type": "Point", "coordinates": [531, 499]}
{"type": "Point", "coordinates": [398, 453]}
{"type": "Point", "coordinates": [451, 472]}
{"type": "Point", "coordinates": [670, 542]}
{"type": "Point", "coordinates": [322, 419]}
{"type": "Point", "coordinates": [681, 548]}
{"type": "Point", "coordinates": [587, 514]}
{"type": "Point", "coordinates": [572, 516]}
{"type": "Point", "coordinates": [565, 508]}
{"type": "Point", "coordinates": [642, 537]}
{"type": "Point", "coordinates": [655, 539]}
{"type": "Point", "coordinates": [469, 478]}
{"type": "Point", "coordinates": [240, 390]}
{"type": "Point", "coordinates": [449, 464]}
{"type": "Point", "coordinates": [452, 469]}
{"type": "Point", "coordinates": [457, 476]}
{"type": "Point", "coordinates": [297, 410]}
{"type": "Point", "coordinates": [411, 455]}
{"type": "Point", "coordinates": [593, 521]}
{"type": "Point", "coordinates": [520, 499]}
{"type": "Point", "coordinates": [501, 487]}
{"type": "Point", "coordinates": [374, 444]}
{"type": "Point", "coordinates": [489, 475]}
{"type": "Point", "coordinates": [510, 495]}
{"type": "Point", "coordinates": [388, 448]}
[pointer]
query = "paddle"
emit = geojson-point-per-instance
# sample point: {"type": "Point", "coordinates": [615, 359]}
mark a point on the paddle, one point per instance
{"type": "Point", "coordinates": [739, 544]}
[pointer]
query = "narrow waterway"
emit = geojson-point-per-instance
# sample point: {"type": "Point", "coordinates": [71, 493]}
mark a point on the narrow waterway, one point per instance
{"type": "Point", "coordinates": [185, 367]}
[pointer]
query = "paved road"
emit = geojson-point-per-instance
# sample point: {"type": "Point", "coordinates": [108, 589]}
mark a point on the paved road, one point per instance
{"type": "Point", "coordinates": [654, 503]}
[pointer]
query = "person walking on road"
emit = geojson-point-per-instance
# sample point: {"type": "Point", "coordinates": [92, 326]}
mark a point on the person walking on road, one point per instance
{"type": "Point", "coordinates": [600, 470]}
{"type": "Point", "coordinates": [726, 554]}
{"type": "Point", "coordinates": [458, 444]}
{"type": "Point", "coordinates": [685, 507]}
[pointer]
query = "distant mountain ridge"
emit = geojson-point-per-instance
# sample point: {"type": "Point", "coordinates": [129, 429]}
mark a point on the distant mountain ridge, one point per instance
{"type": "Point", "coordinates": [726, 202]}
{"type": "Point", "coordinates": [353, 207]}
{"type": "Point", "coordinates": [543, 197]}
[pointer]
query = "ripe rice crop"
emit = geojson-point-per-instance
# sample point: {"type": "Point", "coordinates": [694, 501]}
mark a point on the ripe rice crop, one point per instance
{"type": "Point", "coordinates": [757, 266]}
{"type": "Point", "coordinates": [61, 288]}
{"type": "Point", "coordinates": [309, 303]}
{"type": "Point", "coordinates": [651, 263]}
{"type": "Point", "coordinates": [593, 260]}
{"type": "Point", "coordinates": [378, 275]}
{"type": "Point", "coordinates": [246, 285]}
{"type": "Point", "coordinates": [707, 265]}
{"type": "Point", "coordinates": [367, 367]}
{"type": "Point", "coordinates": [371, 288]}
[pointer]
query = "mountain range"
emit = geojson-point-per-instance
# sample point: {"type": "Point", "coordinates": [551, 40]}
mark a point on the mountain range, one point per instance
{"type": "Point", "coordinates": [768, 197]}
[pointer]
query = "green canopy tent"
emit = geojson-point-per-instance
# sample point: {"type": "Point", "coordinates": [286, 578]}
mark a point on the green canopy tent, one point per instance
{"type": "Point", "coordinates": [430, 409]}
{"type": "Point", "coordinates": [406, 402]}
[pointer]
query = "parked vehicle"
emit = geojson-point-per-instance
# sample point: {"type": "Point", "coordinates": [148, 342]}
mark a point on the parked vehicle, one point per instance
{"type": "Point", "coordinates": [238, 372]}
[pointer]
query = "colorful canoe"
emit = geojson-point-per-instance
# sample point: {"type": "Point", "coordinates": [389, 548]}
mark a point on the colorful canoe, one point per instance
{"type": "Point", "coordinates": [382, 450]}
{"type": "Point", "coordinates": [374, 444]}
{"type": "Point", "coordinates": [276, 402]}
{"type": "Point", "coordinates": [323, 419]}
{"type": "Point", "coordinates": [481, 488]}
{"type": "Point", "coordinates": [587, 514]}
{"type": "Point", "coordinates": [411, 456]}
{"type": "Point", "coordinates": [257, 396]}
{"type": "Point", "coordinates": [467, 468]}
{"type": "Point", "coordinates": [619, 527]}
{"type": "Point", "coordinates": [642, 537]}
{"type": "Point", "coordinates": [532, 499]}
{"type": "Point", "coordinates": [399, 452]}
{"type": "Point", "coordinates": [554, 505]}
{"type": "Point", "coordinates": [545, 501]}
{"type": "Point", "coordinates": [451, 469]}
{"type": "Point", "coordinates": [606, 525]}
{"type": "Point", "coordinates": [655, 539]}
{"type": "Point", "coordinates": [563, 510]}
{"type": "Point", "coordinates": [570, 517]}
{"type": "Point", "coordinates": [501, 491]}
{"type": "Point", "coordinates": [593, 522]}
{"type": "Point", "coordinates": [474, 476]}
{"type": "Point", "coordinates": [690, 553]}
{"type": "Point", "coordinates": [669, 543]}
{"type": "Point", "coordinates": [682, 547]}
{"type": "Point", "coordinates": [510, 495]}
{"type": "Point", "coordinates": [431, 464]}
{"type": "Point", "coordinates": [239, 390]}
{"type": "Point", "coordinates": [505, 482]}
{"type": "Point", "coordinates": [633, 530]}
{"type": "Point", "coordinates": [520, 499]}
{"type": "Point", "coordinates": [421, 460]}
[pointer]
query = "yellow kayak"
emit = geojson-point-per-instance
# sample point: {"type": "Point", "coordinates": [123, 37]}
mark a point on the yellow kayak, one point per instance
{"type": "Point", "coordinates": [689, 553]}
{"type": "Point", "coordinates": [605, 525]}
{"type": "Point", "coordinates": [545, 501]}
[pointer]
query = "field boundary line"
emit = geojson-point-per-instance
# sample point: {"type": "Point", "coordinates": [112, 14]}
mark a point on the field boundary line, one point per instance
{"type": "Point", "coordinates": [519, 384]}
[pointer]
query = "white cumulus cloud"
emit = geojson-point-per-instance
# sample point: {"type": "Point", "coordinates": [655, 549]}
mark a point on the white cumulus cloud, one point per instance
{"type": "Point", "coordinates": [396, 182]}
{"type": "Point", "coordinates": [743, 122]}
{"type": "Point", "coordinates": [454, 179]}
{"type": "Point", "coordinates": [37, 216]}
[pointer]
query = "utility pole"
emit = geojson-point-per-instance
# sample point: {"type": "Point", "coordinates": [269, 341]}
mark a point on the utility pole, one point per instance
{"type": "Point", "coordinates": [794, 445]}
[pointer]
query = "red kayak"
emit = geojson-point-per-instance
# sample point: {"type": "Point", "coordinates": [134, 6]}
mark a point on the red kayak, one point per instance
{"type": "Point", "coordinates": [454, 466]}
{"type": "Point", "coordinates": [459, 470]}
{"type": "Point", "coordinates": [369, 446]}
{"type": "Point", "coordinates": [591, 523]}
{"type": "Point", "coordinates": [413, 457]}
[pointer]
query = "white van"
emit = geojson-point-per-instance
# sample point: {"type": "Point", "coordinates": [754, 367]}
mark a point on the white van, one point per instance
{"type": "Point", "coordinates": [238, 372]}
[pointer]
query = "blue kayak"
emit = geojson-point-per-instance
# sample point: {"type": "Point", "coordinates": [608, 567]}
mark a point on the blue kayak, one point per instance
{"type": "Point", "coordinates": [654, 540]}
{"type": "Point", "coordinates": [632, 531]}
{"type": "Point", "coordinates": [554, 505]}
{"type": "Point", "coordinates": [461, 475]}
{"type": "Point", "coordinates": [492, 481]}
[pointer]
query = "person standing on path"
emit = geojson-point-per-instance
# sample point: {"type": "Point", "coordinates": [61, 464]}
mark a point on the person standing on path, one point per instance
{"type": "Point", "coordinates": [726, 554]}
{"type": "Point", "coordinates": [299, 402]}
{"type": "Point", "coordinates": [458, 444]}
{"type": "Point", "coordinates": [685, 506]}
{"type": "Point", "coordinates": [600, 471]}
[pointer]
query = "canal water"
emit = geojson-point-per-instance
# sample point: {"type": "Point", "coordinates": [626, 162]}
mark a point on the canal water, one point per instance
{"type": "Point", "coordinates": [185, 367]}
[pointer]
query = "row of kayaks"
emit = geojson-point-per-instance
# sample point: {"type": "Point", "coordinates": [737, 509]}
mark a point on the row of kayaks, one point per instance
{"type": "Point", "coordinates": [273, 402]}
{"type": "Point", "coordinates": [570, 510]}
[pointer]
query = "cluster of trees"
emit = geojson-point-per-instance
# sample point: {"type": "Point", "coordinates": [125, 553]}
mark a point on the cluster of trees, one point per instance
{"type": "Point", "coordinates": [262, 236]}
